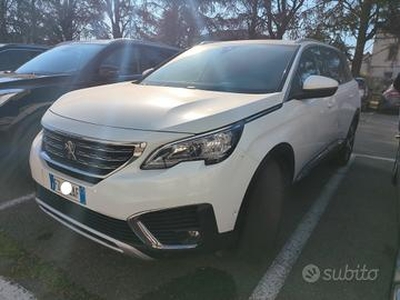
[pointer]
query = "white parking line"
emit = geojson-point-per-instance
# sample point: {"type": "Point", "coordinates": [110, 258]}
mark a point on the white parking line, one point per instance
{"type": "Point", "coordinates": [375, 157]}
{"type": "Point", "coordinates": [16, 201]}
{"type": "Point", "coordinates": [12, 291]}
{"type": "Point", "coordinates": [273, 280]}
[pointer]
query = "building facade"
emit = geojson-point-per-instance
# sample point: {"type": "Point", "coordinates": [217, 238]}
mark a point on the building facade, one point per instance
{"type": "Point", "coordinates": [383, 64]}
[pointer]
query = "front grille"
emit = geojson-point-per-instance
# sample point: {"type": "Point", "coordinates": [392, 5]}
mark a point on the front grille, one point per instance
{"type": "Point", "coordinates": [171, 226]}
{"type": "Point", "coordinates": [117, 229]}
{"type": "Point", "coordinates": [79, 155]}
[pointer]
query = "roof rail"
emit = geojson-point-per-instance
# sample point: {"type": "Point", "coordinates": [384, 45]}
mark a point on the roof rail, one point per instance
{"type": "Point", "coordinates": [302, 40]}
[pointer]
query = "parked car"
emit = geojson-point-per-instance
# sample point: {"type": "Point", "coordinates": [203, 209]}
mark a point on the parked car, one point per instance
{"type": "Point", "coordinates": [198, 154]}
{"type": "Point", "coordinates": [364, 91]}
{"type": "Point", "coordinates": [390, 100]}
{"type": "Point", "coordinates": [13, 56]}
{"type": "Point", "coordinates": [26, 93]}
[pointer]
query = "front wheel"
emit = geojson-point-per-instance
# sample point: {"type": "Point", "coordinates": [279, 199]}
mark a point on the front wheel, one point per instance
{"type": "Point", "coordinates": [264, 202]}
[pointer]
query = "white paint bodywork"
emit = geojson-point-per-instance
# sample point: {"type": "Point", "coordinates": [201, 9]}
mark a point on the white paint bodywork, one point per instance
{"type": "Point", "coordinates": [127, 112]}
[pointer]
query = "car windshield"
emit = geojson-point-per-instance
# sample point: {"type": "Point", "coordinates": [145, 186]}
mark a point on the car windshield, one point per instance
{"type": "Point", "coordinates": [254, 69]}
{"type": "Point", "coordinates": [62, 59]}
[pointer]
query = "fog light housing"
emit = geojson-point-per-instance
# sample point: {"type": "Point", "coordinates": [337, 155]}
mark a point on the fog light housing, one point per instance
{"type": "Point", "coordinates": [180, 228]}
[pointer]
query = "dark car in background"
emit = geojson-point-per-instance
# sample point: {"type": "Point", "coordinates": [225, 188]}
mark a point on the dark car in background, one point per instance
{"type": "Point", "coordinates": [30, 90]}
{"type": "Point", "coordinates": [26, 93]}
{"type": "Point", "coordinates": [13, 56]}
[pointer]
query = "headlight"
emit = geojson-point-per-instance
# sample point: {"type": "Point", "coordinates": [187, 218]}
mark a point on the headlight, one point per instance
{"type": "Point", "coordinates": [212, 147]}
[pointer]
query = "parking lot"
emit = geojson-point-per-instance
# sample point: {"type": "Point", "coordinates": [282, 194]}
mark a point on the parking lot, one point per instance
{"type": "Point", "coordinates": [335, 219]}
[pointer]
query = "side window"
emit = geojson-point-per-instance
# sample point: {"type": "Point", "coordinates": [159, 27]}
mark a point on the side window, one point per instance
{"type": "Point", "coordinates": [34, 53]}
{"type": "Point", "coordinates": [308, 65]}
{"type": "Point", "coordinates": [152, 56]}
{"type": "Point", "coordinates": [125, 59]}
{"type": "Point", "coordinates": [13, 58]}
{"type": "Point", "coordinates": [333, 66]}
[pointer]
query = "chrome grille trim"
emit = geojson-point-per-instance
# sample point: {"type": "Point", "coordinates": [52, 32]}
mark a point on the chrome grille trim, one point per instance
{"type": "Point", "coordinates": [45, 157]}
{"type": "Point", "coordinates": [90, 158]}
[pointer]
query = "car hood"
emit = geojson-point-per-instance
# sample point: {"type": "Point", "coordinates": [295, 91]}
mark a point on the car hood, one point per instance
{"type": "Point", "coordinates": [24, 81]}
{"type": "Point", "coordinates": [157, 108]}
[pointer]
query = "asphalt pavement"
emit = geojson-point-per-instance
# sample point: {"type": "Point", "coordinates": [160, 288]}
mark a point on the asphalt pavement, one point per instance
{"type": "Point", "coordinates": [355, 235]}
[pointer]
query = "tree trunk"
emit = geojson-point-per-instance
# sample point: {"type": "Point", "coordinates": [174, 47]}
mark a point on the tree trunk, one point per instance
{"type": "Point", "coordinates": [252, 30]}
{"type": "Point", "coordinates": [362, 37]}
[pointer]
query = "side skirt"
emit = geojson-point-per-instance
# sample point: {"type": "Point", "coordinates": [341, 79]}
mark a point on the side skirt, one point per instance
{"type": "Point", "coordinates": [321, 156]}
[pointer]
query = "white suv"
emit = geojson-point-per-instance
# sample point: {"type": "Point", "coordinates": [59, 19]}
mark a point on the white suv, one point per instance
{"type": "Point", "coordinates": [199, 152]}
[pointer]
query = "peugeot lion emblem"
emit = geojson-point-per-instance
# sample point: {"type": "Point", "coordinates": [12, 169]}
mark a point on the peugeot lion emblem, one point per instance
{"type": "Point", "coordinates": [70, 148]}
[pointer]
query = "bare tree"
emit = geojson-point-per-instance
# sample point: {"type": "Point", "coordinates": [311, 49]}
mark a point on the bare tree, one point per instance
{"type": "Point", "coordinates": [368, 12]}
{"type": "Point", "coordinates": [182, 21]}
{"type": "Point", "coordinates": [5, 6]}
{"type": "Point", "coordinates": [120, 14]}
{"type": "Point", "coordinates": [391, 15]}
{"type": "Point", "coordinates": [280, 16]}
{"type": "Point", "coordinates": [67, 18]}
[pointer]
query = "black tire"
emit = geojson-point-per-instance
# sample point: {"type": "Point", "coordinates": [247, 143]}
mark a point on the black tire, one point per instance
{"type": "Point", "coordinates": [343, 155]}
{"type": "Point", "coordinates": [264, 202]}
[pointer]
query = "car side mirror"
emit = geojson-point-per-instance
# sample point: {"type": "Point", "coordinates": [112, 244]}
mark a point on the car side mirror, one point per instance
{"type": "Point", "coordinates": [108, 72]}
{"type": "Point", "coordinates": [316, 86]}
{"type": "Point", "coordinates": [147, 72]}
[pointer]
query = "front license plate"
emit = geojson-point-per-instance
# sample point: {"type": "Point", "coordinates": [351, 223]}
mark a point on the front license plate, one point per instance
{"type": "Point", "coordinates": [77, 194]}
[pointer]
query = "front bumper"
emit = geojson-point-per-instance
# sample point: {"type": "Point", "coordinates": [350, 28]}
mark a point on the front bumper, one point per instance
{"type": "Point", "coordinates": [89, 232]}
{"type": "Point", "coordinates": [168, 230]}
{"type": "Point", "coordinates": [141, 201]}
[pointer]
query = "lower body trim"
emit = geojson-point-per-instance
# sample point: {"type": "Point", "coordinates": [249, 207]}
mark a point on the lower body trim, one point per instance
{"type": "Point", "coordinates": [89, 233]}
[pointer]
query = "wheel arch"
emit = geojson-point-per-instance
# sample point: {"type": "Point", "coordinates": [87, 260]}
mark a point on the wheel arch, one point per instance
{"type": "Point", "coordinates": [284, 154]}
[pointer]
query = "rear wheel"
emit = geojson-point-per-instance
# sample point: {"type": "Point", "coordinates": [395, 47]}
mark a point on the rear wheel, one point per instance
{"type": "Point", "coordinates": [264, 202]}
